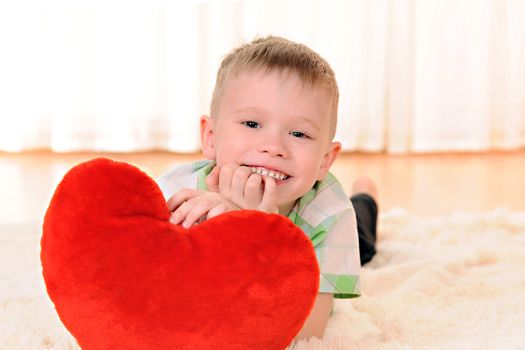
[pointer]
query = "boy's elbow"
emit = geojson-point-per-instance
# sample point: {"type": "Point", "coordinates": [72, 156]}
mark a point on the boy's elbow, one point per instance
{"type": "Point", "coordinates": [316, 322]}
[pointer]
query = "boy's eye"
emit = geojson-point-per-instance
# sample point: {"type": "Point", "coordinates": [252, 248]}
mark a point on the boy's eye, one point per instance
{"type": "Point", "coordinates": [251, 124]}
{"type": "Point", "coordinates": [299, 134]}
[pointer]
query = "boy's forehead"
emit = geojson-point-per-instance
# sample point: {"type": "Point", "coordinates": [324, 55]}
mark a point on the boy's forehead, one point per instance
{"type": "Point", "coordinates": [284, 74]}
{"type": "Point", "coordinates": [254, 77]}
{"type": "Point", "coordinates": [262, 87]}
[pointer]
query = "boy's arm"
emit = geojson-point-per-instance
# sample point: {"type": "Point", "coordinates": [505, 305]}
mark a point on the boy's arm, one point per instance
{"type": "Point", "coordinates": [316, 322]}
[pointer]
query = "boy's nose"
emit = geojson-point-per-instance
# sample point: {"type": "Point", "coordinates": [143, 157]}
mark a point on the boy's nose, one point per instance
{"type": "Point", "coordinates": [273, 146]}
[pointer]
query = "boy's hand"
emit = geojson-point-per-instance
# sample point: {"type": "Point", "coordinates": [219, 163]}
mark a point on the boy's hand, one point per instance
{"type": "Point", "coordinates": [191, 206]}
{"type": "Point", "coordinates": [243, 188]}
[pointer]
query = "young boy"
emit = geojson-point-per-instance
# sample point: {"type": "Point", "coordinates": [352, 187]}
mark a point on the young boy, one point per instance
{"type": "Point", "coordinates": [268, 141]}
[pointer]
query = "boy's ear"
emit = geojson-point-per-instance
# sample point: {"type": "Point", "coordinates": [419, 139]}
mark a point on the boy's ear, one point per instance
{"type": "Point", "coordinates": [207, 137]}
{"type": "Point", "coordinates": [328, 159]}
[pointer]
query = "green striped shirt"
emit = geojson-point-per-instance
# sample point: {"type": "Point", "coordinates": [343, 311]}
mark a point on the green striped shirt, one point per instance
{"type": "Point", "coordinates": [324, 213]}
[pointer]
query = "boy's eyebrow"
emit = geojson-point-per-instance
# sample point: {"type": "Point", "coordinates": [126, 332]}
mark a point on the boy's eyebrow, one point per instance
{"type": "Point", "coordinates": [263, 112]}
{"type": "Point", "coordinates": [309, 121]}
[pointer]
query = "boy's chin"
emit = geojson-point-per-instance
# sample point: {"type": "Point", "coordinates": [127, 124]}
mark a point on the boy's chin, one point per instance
{"type": "Point", "coordinates": [286, 208]}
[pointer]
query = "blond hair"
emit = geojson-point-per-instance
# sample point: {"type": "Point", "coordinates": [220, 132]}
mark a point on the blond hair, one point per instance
{"type": "Point", "coordinates": [276, 53]}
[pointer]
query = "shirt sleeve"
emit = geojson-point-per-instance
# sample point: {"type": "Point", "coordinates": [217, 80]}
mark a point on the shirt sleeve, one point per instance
{"type": "Point", "coordinates": [180, 177]}
{"type": "Point", "coordinates": [338, 257]}
{"type": "Point", "coordinates": [327, 217]}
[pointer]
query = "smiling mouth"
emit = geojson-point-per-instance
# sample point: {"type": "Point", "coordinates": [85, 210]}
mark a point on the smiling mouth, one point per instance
{"type": "Point", "coordinates": [277, 175]}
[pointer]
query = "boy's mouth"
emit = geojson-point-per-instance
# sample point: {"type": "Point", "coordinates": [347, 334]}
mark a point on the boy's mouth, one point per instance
{"type": "Point", "coordinates": [277, 175]}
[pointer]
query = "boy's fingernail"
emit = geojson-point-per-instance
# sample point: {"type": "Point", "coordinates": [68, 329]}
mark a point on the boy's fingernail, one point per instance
{"type": "Point", "coordinates": [186, 224]}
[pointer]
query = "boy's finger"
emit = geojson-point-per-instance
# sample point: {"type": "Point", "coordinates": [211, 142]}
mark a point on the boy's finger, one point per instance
{"type": "Point", "coordinates": [269, 198]}
{"type": "Point", "coordinates": [180, 213]}
{"type": "Point", "coordinates": [182, 196]}
{"type": "Point", "coordinates": [217, 210]}
{"type": "Point", "coordinates": [212, 180]}
{"type": "Point", "coordinates": [253, 191]}
{"type": "Point", "coordinates": [198, 209]}
{"type": "Point", "coordinates": [239, 179]}
{"type": "Point", "coordinates": [225, 180]}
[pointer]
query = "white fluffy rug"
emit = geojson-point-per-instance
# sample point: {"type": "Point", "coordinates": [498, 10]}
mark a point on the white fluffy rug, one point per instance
{"type": "Point", "coordinates": [454, 282]}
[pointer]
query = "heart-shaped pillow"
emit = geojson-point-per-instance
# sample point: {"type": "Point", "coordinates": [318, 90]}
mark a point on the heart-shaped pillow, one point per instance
{"type": "Point", "coordinates": [122, 277]}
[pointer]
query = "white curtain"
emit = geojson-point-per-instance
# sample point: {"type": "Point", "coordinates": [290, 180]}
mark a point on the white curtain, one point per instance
{"type": "Point", "coordinates": [414, 75]}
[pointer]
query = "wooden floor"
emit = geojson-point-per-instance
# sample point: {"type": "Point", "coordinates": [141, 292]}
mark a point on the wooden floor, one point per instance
{"type": "Point", "coordinates": [426, 185]}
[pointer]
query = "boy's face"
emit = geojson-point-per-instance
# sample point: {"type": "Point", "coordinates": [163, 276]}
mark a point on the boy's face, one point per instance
{"type": "Point", "coordinates": [273, 120]}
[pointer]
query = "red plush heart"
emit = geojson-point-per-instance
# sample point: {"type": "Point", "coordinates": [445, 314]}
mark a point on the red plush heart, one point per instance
{"type": "Point", "coordinates": [122, 277]}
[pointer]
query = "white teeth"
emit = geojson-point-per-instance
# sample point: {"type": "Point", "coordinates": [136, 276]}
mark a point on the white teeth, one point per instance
{"type": "Point", "coordinates": [264, 172]}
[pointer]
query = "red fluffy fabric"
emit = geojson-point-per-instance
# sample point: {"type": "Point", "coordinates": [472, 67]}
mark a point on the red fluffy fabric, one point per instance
{"type": "Point", "coordinates": [122, 277]}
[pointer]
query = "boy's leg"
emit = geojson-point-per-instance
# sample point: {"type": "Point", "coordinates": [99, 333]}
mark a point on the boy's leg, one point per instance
{"type": "Point", "coordinates": [364, 195]}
